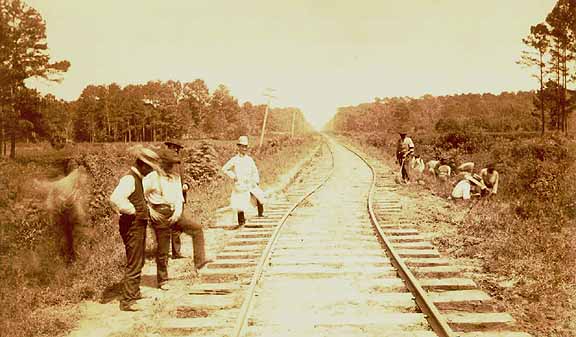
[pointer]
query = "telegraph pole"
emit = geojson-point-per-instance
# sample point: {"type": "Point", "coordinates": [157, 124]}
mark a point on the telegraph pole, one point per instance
{"type": "Point", "coordinates": [267, 93]}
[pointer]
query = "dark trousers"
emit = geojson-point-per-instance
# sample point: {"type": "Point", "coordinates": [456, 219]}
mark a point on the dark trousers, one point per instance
{"type": "Point", "coordinates": [405, 162]}
{"type": "Point", "coordinates": [133, 233]}
{"type": "Point", "coordinates": [162, 231]}
{"type": "Point", "coordinates": [193, 228]}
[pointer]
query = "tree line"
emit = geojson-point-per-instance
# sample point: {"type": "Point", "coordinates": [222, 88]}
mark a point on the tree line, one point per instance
{"type": "Point", "coordinates": [159, 110]}
{"type": "Point", "coordinates": [505, 112]}
{"type": "Point", "coordinates": [552, 53]}
{"type": "Point", "coordinates": [155, 111]}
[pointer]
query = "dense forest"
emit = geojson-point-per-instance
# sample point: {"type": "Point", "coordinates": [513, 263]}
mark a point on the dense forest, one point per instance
{"type": "Point", "coordinates": [157, 110]}
{"type": "Point", "coordinates": [475, 112]}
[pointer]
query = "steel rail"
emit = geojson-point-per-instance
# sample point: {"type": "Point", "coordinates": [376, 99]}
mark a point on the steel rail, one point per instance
{"type": "Point", "coordinates": [240, 324]}
{"type": "Point", "coordinates": [433, 315]}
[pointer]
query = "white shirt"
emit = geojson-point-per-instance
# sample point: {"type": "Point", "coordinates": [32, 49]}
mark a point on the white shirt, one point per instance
{"type": "Point", "coordinates": [125, 188]}
{"type": "Point", "coordinates": [408, 142]}
{"type": "Point", "coordinates": [462, 190]}
{"type": "Point", "coordinates": [243, 169]}
{"type": "Point", "coordinates": [162, 190]}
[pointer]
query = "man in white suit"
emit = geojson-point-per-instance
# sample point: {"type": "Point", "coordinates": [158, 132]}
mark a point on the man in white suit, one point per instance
{"type": "Point", "coordinates": [243, 170]}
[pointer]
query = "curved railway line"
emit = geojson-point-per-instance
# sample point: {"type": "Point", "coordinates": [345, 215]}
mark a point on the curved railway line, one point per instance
{"type": "Point", "coordinates": [336, 258]}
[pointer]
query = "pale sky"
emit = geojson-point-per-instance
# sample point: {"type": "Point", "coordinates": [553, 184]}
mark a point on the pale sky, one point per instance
{"type": "Point", "coordinates": [317, 54]}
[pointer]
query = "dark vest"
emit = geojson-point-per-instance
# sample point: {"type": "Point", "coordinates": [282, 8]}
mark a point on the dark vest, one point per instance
{"type": "Point", "coordinates": [137, 198]}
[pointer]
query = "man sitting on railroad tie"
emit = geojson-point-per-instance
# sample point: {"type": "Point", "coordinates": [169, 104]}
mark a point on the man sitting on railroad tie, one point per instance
{"type": "Point", "coordinates": [467, 181]}
{"type": "Point", "coordinates": [243, 170]}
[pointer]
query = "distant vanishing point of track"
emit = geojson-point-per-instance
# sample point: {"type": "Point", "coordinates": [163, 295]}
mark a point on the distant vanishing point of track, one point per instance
{"type": "Point", "coordinates": [335, 258]}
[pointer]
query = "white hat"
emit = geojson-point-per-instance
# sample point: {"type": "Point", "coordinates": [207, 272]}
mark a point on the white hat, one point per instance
{"type": "Point", "coordinates": [468, 167]}
{"type": "Point", "coordinates": [243, 140]}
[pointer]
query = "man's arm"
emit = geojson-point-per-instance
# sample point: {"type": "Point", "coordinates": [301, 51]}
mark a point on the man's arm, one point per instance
{"type": "Point", "coordinates": [227, 168]}
{"type": "Point", "coordinates": [255, 174]}
{"type": "Point", "coordinates": [119, 197]}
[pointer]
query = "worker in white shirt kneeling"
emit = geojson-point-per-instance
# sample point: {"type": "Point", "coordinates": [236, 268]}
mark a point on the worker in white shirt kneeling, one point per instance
{"type": "Point", "coordinates": [243, 170]}
{"type": "Point", "coordinates": [467, 181]}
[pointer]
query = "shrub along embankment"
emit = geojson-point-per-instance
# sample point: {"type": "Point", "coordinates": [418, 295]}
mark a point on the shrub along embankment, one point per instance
{"type": "Point", "coordinates": [38, 286]}
{"type": "Point", "coordinates": [524, 234]}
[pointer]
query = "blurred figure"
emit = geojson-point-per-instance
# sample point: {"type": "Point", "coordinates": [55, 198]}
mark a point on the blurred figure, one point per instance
{"type": "Point", "coordinates": [443, 172]}
{"type": "Point", "coordinates": [418, 165]}
{"type": "Point", "coordinates": [431, 166]}
{"type": "Point", "coordinates": [65, 202]}
{"type": "Point", "coordinates": [490, 178]}
{"type": "Point", "coordinates": [243, 170]}
{"type": "Point", "coordinates": [128, 199]}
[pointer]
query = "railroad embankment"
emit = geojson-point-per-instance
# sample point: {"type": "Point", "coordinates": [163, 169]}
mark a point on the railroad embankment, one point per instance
{"type": "Point", "coordinates": [522, 238]}
{"type": "Point", "coordinates": [40, 291]}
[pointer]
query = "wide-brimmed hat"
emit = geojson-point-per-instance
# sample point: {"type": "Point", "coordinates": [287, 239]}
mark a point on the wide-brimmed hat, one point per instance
{"type": "Point", "coordinates": [243, 140]}
{"type": "Point", "coordinates": [466, 167]}
{"type": "Point", "coordinates": [146, 155]}
{"type": "Point", "coordinates": [173, 145]}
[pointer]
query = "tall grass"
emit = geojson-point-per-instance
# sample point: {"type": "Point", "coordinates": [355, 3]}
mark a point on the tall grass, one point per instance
{"type": "Point", "coordinates": [527, 232]}
{"type": "Point", "coordinates": [38, 287]}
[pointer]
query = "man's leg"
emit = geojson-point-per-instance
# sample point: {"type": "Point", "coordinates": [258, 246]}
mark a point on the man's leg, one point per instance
{"type": "Point", "coordinates": [162, 249]}
{"type": "Point", "coordinates": [175, 232]}
{"type": "Point", "coordinates": [241, 218]}
{"type": "Point", "coordinates": [134, 237]}
{"type": "Point", "coordinates": [193, 228]}
{"type": "Point", "coordinates": [199, 248]}
{"type": "Point", "coordinates": [260, 207]}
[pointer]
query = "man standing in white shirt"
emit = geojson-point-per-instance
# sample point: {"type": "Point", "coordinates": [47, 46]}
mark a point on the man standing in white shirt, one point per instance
{"type": "Point", "coordinates": [242, 169]}
{"type": "Point", "coordinates": [163, 193]}
{"type": "Point", "coordinates": [128, 199]}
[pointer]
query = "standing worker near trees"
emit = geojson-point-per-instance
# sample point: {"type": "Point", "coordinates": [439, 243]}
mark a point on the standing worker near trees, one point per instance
{"type": "Point", "coordinates": [404, 151]}
{"type": "Point", "coordinates": [128, 199]}
{"type": "Point", "coordinates": [243, 170]}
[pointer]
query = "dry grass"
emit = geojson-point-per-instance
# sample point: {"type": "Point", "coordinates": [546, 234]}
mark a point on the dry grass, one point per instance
{"type": "Point", "coordinates": [39, 290]}
{"type": "Point", "coordinates": [525, 236]}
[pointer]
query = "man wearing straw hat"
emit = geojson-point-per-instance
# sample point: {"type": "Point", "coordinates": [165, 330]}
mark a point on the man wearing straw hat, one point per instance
{"type": "Point", "coordinates": [243, 170]}
{"type": "Point", "coordinates": [128, 199]}
{"type": "Point", "coordinates": [466, 181]}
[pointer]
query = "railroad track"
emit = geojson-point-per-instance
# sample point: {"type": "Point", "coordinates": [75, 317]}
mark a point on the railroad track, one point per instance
{"type": "Point", "coordinates": [335, 258]}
